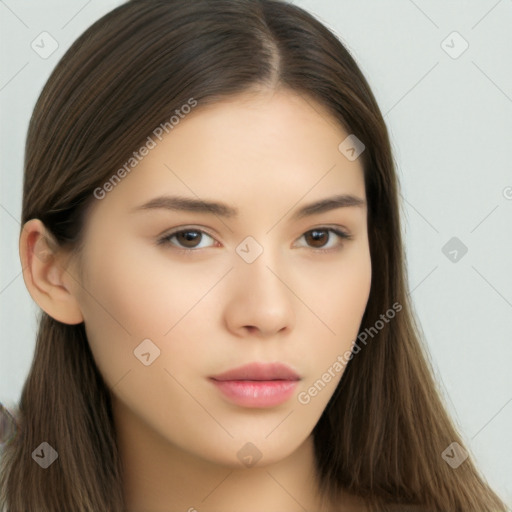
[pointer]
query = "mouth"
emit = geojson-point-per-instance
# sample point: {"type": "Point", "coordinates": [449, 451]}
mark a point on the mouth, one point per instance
{"type": "Point", "coordinates": [257, 385]}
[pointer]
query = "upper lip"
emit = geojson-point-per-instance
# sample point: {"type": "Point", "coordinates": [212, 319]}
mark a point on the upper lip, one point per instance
{"type": "Point", "coordinates": [259, 371]}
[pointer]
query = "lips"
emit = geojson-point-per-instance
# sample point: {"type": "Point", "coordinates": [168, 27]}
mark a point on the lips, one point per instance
{"type": "Point", "coordinates": [257, 385]}
{"type": "Point", "coordinates": [259, 372]}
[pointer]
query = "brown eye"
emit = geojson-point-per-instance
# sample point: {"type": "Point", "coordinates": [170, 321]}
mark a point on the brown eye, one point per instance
{"type": "Point", "coordinates": [189, 239]}
{"type": "Point", "coordinates": [325, 239]}
{"type": "Point", "coordinates": [186, 239]}
{"type": "Point", "coordinates": [317, 237]}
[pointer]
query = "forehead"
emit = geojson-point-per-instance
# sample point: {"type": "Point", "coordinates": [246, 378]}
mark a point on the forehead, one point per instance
{"type": "Point", "coordinates": [277, 144]}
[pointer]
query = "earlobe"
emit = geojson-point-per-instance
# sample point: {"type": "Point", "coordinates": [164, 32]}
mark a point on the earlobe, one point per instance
{"type": "Point", "coordinates": [44, 273]}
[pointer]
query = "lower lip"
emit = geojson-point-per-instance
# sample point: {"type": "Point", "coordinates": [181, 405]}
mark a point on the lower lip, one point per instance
{"type": "Point", "coordinates": [256, 393]}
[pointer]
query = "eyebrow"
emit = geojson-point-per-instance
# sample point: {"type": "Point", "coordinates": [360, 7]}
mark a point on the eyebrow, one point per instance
{"type": "Point", "coordinates": [188, 204]}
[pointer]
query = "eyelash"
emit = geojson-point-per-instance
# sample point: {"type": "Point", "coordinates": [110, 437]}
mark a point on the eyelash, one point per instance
{"type": "Point", "coordinates": [165, 240]}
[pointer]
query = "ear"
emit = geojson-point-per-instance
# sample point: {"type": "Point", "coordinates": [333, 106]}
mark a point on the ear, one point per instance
{"type": "Point", "coordinates": [45, 274]}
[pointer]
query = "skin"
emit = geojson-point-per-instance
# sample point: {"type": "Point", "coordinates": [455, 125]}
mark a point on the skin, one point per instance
{"type": "Point", "coordinates": [266, 153]}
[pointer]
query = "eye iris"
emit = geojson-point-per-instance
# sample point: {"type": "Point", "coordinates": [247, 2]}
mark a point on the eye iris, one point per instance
{"type": "Point", "coordinates": [318, 235]}
{"type": "Point", "coordinates": [187, 238]}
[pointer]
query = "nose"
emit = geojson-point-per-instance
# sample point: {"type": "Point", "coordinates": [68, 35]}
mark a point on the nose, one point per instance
{"type": "Point", "coordinates": [260, 301]}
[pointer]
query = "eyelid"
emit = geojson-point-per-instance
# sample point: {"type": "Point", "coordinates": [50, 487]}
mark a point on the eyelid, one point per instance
{"type": "Point", "coordinates": [337, 230]}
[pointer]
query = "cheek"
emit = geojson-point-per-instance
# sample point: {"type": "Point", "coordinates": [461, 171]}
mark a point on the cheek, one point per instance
{"type": "Point", "coordinates": [133, 296]}
{"type": "Point", "coordinates": [338, 293]}
{"type": "Point", "coordinates": [351, 287]}
{"type": "Point", "coordinates": [338, 303]}
{"type": "Point", "coordinates": [140, 293]}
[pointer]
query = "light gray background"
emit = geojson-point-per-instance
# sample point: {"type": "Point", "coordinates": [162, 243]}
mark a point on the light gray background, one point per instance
{"type": "Point", "coordinates": [450, 121]}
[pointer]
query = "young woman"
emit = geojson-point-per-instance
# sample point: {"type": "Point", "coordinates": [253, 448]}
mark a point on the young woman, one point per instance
{"type": "Point", "coordinates": [211, 230]}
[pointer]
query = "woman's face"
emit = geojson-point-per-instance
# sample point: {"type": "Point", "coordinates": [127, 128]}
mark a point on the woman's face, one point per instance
{"type": "Point", "coordinates": [245, 283]}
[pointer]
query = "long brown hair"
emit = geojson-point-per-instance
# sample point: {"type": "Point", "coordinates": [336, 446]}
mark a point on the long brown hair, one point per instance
{"type": "Point", "coordinates": [382, 433]}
